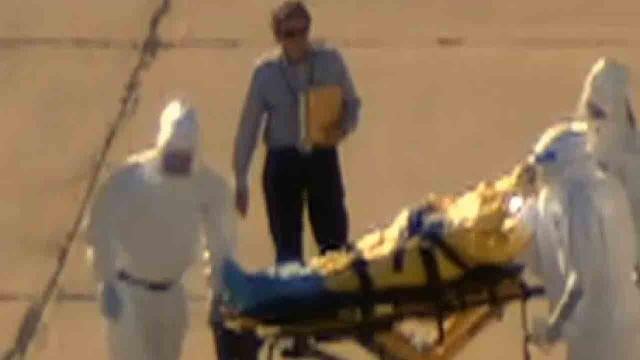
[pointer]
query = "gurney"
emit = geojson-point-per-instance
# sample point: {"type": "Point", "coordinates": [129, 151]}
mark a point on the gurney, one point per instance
{"type": "Point", "coordinates": [443, 259]}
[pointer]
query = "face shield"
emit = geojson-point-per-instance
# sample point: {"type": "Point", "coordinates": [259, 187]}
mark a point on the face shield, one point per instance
{"type": "Point", "coordinates": [177, 139]}
{"type": "Point", "coordinates": [559, 148]}
{"type": "Point", "coordinates": [605, 107]}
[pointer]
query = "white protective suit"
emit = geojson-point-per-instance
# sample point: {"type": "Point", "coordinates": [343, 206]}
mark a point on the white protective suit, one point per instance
{"type": "Point", "coordinates": [583, 250]}
{"type": "Point", "coordinates": [605, 106]}
{"type": "Point", "coordinates": [149, 224]}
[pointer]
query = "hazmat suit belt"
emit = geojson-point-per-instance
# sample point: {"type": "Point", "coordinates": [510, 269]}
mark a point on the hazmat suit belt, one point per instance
{"type": "Point", "coordinates": [150, 285]}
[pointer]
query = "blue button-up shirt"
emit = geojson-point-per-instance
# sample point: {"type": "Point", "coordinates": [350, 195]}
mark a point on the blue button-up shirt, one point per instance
{"type": "Point", "coordinates": [272, 101]}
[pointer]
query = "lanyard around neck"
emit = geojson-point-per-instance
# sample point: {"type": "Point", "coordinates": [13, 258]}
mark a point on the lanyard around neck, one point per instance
{"type": "Point", "coordinates": [290, 87]}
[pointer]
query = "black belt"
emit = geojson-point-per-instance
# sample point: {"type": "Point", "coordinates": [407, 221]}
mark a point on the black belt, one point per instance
{"type": "Point", "coordinates": [150, 285]}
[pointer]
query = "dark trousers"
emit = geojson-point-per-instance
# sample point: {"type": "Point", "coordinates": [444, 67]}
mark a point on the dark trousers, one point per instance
{"type": "Point", "coordinates": [235, 346]}
{"type": "Point", "coordinates": [290, 177]}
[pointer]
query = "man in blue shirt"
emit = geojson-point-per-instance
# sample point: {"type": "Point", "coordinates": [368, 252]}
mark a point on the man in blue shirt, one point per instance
{"type": "Point", "coordinates": [293, 171]}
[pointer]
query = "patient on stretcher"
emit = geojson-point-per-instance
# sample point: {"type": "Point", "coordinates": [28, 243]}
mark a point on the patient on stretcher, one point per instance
{"type": "Point", "coordinates": [434, 243]}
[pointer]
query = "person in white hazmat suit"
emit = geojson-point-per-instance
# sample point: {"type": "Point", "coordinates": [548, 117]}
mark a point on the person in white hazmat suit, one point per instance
{"type": "Point", "coordinates": [146, 228]}
{"type": "Point", "coordinates": [604, 104]}
{"type": "Point", "coordinates": [583, 251]}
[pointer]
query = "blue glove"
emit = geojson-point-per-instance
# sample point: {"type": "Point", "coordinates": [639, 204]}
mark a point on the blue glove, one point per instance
{"type": "Point", "coordinates": [111, 302]}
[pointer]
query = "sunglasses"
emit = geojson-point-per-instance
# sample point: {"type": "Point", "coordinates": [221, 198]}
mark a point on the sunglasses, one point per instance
{"type": "Point", "coordinates": [292, 33]}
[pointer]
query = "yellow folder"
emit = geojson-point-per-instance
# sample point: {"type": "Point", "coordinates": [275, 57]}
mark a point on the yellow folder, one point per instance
{"type": "Point", "coordinates": [324, 115]}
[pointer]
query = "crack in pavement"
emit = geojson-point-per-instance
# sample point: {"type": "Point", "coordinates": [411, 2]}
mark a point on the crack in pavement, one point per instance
{"type": "Point", "coordinates": [32, 320]}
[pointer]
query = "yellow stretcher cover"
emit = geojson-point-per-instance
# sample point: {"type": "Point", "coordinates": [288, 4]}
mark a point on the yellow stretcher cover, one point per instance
{"type": "Point", "coordinates": [481, 225]}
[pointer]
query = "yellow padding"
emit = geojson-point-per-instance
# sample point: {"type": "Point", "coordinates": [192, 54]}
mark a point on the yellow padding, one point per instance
{"type": "Point", "coordinates": [480, 226]}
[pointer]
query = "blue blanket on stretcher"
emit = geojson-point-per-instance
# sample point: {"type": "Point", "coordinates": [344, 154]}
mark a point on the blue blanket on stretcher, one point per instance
{"type": "Point", "coordinates": [287, 288]}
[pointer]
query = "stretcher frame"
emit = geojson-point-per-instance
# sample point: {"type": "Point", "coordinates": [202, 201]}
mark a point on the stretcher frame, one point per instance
{"type": "Point", "coordinates": [460, 307]}
{"type": "Point", "coordinates": [371, 325]}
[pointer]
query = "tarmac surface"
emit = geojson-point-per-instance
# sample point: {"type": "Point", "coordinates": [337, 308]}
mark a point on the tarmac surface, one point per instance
{"type": "Point", "coordinates": [452, 94]}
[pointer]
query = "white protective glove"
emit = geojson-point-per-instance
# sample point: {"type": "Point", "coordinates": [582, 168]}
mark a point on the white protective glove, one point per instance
{"type": "Point", "coordinates": [543, 334]}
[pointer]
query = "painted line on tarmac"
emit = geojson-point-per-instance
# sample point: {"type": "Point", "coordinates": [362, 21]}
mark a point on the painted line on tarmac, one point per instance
{"type": "Point", "coordinates": [222, 43]}
{"type": "Point", "coordinates": [64, 296]}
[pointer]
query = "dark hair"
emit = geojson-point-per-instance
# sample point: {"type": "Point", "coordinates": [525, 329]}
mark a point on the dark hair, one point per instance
{"type": "Point", "coordinates": [289, 9]}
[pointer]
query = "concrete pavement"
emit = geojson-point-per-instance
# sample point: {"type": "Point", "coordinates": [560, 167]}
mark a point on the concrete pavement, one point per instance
{"type": "Point", "coordinates": [452, 94]}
